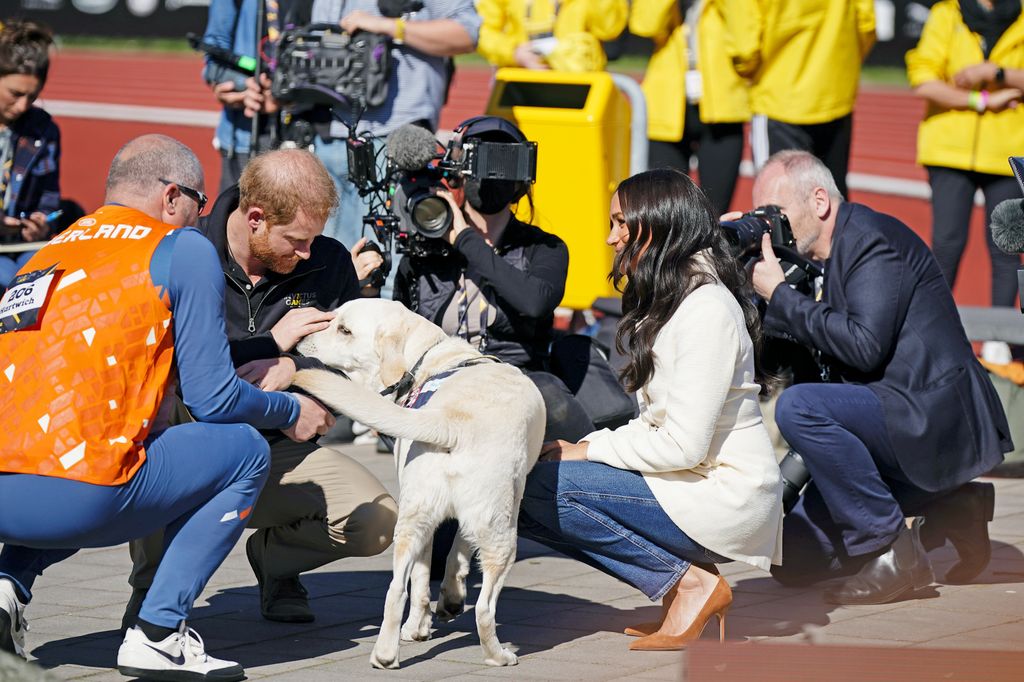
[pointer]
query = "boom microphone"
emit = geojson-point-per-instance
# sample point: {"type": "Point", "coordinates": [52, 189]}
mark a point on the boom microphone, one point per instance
{"type": "Point", "coordinates": [1008, 226]}
{"type": "Point", "coordinates": [411, 147]}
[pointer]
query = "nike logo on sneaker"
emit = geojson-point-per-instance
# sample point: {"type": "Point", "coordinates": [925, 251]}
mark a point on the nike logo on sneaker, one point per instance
{"type": "Point", "coordinates": [176, 660]}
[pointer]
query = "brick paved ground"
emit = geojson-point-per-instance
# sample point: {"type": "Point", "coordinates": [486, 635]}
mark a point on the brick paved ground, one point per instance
{"type": "Point", "coordinates": [563, 617]}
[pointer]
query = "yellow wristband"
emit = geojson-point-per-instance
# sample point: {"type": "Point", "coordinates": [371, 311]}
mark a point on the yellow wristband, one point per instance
{"type": "Point", "coordinates": [399, 30]}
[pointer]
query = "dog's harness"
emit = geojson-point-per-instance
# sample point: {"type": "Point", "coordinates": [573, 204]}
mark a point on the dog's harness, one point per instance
{"type": "Point", "coordinates": [413, 396]}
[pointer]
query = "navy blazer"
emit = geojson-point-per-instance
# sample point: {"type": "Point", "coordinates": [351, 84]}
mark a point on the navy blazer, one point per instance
{"type": "Point", "coordinates": [887, 320]}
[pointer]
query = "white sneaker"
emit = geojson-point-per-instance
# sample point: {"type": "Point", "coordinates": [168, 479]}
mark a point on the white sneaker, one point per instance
{"type": "Point", "coordinates": [181, 656]}
{"type": "Point", "coordinates": [12, 620]}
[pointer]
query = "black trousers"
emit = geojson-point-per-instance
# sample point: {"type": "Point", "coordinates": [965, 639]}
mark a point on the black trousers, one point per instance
{"type": "Point", "coordinates": [829, 141]}
{"type": "Point", "coordinates": [952, 201]}
{"type": "Point", "coordinates": [719, 150]}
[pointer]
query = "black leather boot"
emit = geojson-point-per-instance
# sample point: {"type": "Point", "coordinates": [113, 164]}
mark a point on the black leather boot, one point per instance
{"type": "Point", "coordinates": [901, 569]}
{"type": "Point", "coordinates": [962, 517]}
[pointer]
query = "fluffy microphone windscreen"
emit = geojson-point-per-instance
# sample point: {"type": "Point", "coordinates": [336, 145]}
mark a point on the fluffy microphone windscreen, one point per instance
{"type": "Point", "coordinates": [411, 147]}
{"type": "Point", "coordinates": [1008, 226]}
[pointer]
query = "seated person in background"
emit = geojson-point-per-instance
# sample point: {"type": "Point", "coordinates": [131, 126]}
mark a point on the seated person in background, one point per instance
{"type": "Point", "coordinates": [499, 285]}
{"type": "Point", "coordinates": [908, 416]}
{"type": "Point", "coordinates": [548, 34]}
{"type": "Point", "coordinates": [100, 449]}
{"type": "Point", "coordinates": [280, 276]}
{"type": "Point", "coordinates": [693, 481]}
{"type": "Point", "coordinates": [29, 143]}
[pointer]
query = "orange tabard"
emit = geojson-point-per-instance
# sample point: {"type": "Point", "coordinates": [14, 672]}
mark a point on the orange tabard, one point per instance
{"type": "Point", "coordinates": [86, 350]}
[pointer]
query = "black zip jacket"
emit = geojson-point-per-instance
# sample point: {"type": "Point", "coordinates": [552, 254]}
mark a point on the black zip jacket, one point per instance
{"type": "Point", "coordinates": [523, 277]}
{"type": "Point", "coordinates": [324, 281]}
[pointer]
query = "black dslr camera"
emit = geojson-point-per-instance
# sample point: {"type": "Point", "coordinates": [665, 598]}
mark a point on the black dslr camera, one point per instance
{"type": "Point", "coordinates": [744, 238]}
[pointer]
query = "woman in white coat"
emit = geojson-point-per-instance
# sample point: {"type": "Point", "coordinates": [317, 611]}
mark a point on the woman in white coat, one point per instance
{"type": "Point", "coordinates": [693, 481]}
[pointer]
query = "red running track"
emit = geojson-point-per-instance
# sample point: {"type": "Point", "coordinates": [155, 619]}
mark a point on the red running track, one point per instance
{"type": "Point", "coordinates": [885, 128]}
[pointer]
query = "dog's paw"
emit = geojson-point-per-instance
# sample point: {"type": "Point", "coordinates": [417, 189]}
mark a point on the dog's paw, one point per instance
{"type": "Point", "coordinates": [448, 610]}
{"type": "Point", "coordinates": [505, 657]}
{"type": "Point", "coordinates": [416, 632]}
{"type": "Point", "coordinates": [383, 661]}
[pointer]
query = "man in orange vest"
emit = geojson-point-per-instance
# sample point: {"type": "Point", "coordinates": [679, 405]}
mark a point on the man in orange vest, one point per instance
{"type": "Point", "coordinates": [95, 332]}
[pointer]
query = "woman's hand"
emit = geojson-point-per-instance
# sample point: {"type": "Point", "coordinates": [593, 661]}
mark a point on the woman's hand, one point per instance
{"type": "Point", "coordinates": [564, 451]}
{"type": "Point", "coordinates": [970, 77]}
{"type": "Point", "coordinates": [528, 59]}
{"type": "Point", "coordinates": [365, 262]}
{"type": "Point", "coordinates": [458, 218]}
{"type": "Point", "coordinates": [1007, 98]}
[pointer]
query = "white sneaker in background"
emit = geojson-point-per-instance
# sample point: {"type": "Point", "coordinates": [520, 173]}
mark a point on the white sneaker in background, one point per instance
{"type": "Point", "coordinates": [996, 353]}
{"type": "Point", "coordinates": [12, 620]}
{"type": "Point", "coordinates": [181, 656]}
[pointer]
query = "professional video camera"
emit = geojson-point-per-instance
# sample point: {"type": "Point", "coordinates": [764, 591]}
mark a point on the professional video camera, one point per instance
{"type": "Point", "coordinates": [408, 211]}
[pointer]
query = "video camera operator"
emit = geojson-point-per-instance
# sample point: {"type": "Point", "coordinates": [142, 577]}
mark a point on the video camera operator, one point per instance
{"type": "Point", "coordinates": [907, 416]}
{"type": "Point", "coordinates": [499, 285]}
{"type": "Point", "coordinates": [424, 35]}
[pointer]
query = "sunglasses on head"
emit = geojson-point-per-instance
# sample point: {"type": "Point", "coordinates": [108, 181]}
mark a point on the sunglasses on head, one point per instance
{"type": "Point", "coordinates": [194, 194]}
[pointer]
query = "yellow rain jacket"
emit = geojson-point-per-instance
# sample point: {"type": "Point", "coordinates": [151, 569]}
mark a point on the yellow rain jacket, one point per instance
{"type": "Point", "coordinates": [803, 57]}
{"type": "Point", "coordinates": [963, 138]}
{"type": "Point", "coordinates": [724, 97]}
{"type": "Point", "coordinates": [580, 24]}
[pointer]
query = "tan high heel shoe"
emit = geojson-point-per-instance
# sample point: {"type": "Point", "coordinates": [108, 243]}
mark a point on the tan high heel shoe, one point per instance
{"type": "Point", "coordinates": [716, 603]}
{"type": "Point", "coordinates": [649, 628]}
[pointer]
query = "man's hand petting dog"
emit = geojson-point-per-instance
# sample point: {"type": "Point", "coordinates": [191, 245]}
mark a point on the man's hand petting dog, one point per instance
{"type": "Point", "coordinates": [563, 451]}
{"type": "Point", "coordinates": [270, 374]}
{"type": "Point", "coordinates": [297, 324]}
{"type": "Point", "coordinates": [314, 420]}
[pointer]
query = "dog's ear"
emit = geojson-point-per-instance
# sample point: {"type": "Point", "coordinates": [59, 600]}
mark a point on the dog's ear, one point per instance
{"type": "Point", "coordinates": [390, 346]}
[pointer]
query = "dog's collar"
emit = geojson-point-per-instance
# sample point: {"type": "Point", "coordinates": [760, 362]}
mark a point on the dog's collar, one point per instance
{"type": "Point", "coordinates": [408, 380]}
{"type": "Point", "coordinates": [403, 386]}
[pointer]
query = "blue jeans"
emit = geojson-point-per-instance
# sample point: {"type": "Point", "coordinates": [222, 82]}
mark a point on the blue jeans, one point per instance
{"type": "Point", "coordinates": [608, 518]}
{"type": "Point", "coordinates": [853, 506]}
{"type": "Point", "coordinates": [199, 480]}
{"type": "Point", "coordinates": [346, 223]}
{"type": "Point", "coordinates": [10, 264]}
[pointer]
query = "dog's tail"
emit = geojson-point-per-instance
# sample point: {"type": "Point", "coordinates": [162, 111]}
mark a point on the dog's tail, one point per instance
{"type": "Point", "coordinates": [374, 410]}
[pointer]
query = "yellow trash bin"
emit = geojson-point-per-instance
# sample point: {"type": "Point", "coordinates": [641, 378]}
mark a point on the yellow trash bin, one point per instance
{"type": "Point", "coordinates": [581, 124]}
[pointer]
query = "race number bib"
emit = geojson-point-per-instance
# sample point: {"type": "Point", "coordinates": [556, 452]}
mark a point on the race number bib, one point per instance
{"type": "Point", "coordinates": [22, 307]}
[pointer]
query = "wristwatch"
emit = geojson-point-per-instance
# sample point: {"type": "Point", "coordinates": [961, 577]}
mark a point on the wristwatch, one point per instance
{"type": "Point", "coordinates": [1000, 75]}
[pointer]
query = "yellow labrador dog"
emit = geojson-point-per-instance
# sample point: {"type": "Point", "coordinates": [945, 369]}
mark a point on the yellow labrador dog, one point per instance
{"type": "Point", "coordinates": [469, 431]}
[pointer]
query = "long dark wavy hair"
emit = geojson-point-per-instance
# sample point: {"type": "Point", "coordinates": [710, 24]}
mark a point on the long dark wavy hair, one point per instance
{"type": "Point", "coordinates": [669, 220]}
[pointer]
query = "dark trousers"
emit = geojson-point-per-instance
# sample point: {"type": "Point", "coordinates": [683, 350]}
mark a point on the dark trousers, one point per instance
{"type": "Point", "coordinates": [854, 505]}
{"type": "Point", "coordinates": [829, 141]}
{"type": "Point", "coordinates": [952, 201]}
{"type": "Point", "coordinates": [719, 150]}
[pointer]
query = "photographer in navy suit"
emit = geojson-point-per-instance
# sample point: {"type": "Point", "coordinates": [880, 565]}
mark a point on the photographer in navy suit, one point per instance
{"type": "Point", "coordinates": [907, 416]}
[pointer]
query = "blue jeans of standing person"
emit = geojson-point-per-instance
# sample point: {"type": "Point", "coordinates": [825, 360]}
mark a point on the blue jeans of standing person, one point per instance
{"type": "Point", "coordinates": [608, 518]}
{"type": "Point", "coordinates": [10, 263]}
{"type": "Point", "coordinates": [346, 223]}
{"type": "Point", "coordinates": [199, 481]}
{"type": "Point", "coordinates": [853, 507]}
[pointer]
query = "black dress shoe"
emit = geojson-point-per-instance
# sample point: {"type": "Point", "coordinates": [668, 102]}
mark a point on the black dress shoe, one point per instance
{"type": "Point", "coordinates": [901, 569]}
{"type": "Point", "coordinates": [962, 517]}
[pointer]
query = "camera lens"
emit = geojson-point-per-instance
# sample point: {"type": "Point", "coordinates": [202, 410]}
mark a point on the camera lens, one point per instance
{"type": "Point", "coordinates": [744, 235]}
{"type": "Point", "coordinates": [794, 477]}
{"type": "Point", "coordinates": [431, 215]}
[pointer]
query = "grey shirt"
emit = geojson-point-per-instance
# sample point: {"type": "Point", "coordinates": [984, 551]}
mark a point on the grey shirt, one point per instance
{"type": "Point", "coordinates": [417, 83]}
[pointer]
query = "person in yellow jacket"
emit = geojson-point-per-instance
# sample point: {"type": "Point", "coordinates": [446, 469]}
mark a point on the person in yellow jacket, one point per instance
{"type": "Point", "coordinates": [696, 102]}
{"type": "Point", "coordinates": [969, 67]}
{"type": "Point", "coordinates": [564, 35]}
{"type": "Point", "coordinates": [803, 59]}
